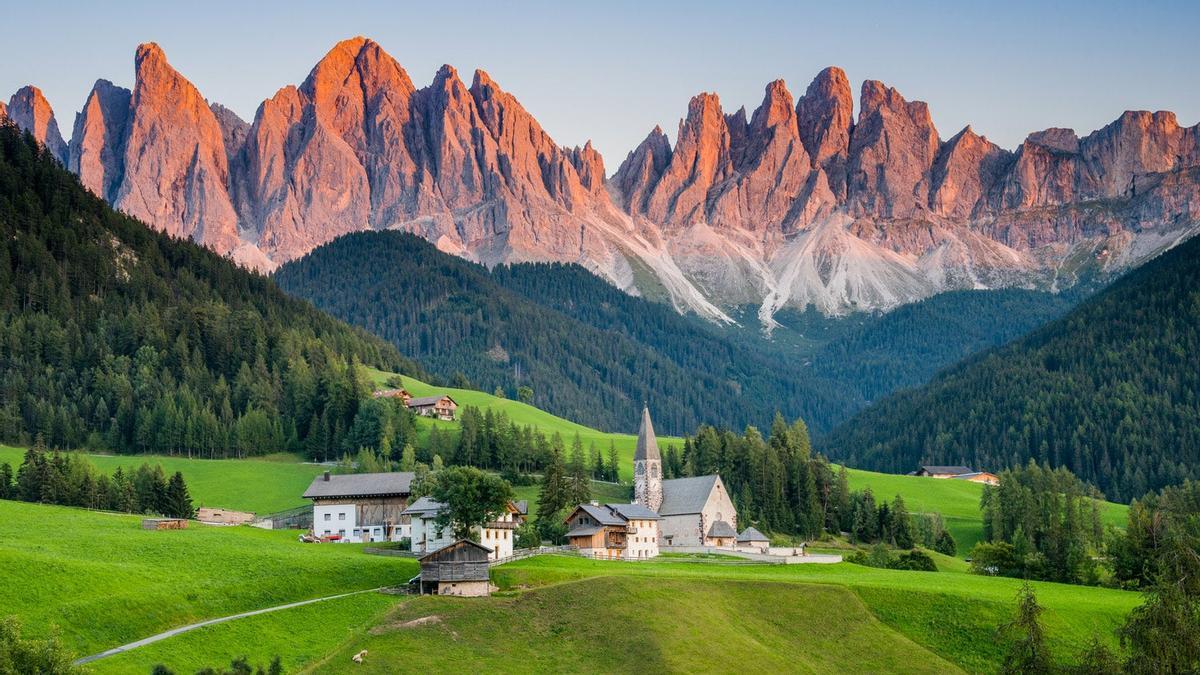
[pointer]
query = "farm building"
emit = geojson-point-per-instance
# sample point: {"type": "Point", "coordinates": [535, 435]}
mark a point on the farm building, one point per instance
{"type": "Point", "coordinates": [614, 531]}
{"type": "Point", "coordinates": [214, 516]}
{"type": "Point", "coordinates": [753, 539]}
{"type": "Point", "coordinates": [958, 473]}
{"type": "Point", "coordinates": [459, 568]}
{"type": "Point", "coordinates": [696, 511]}
{"type": "Point", "coordinates": [401, 394]}
{"type": "Point", "coordinates": [361, 507]}
{"type": "Point", "coordinates": [164, 524]}
{"type": "Point", "coordinates": [441, 406]}
{"type": "Point", "coordinates": [497, 535]}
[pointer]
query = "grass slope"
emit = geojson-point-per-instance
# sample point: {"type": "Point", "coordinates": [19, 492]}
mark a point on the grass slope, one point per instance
{"type": "Point", "coordinates": [952, 614]}
{"type": "Point", "coordinates": [104, 581]}
{"type": "Point", "coordinates": [625, 624]}
{"type": "Point", "coordinates": [262, 485]}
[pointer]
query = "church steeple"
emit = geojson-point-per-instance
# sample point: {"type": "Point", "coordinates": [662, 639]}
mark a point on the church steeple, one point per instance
{"type": "Point", "coordinates": [647, 466]}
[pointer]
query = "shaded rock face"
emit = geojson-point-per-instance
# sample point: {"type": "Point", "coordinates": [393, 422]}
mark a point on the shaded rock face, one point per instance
{"type": "Point", "coordinates": [796, 203]}
{"type": "Point", "coordinates": [30, 110]}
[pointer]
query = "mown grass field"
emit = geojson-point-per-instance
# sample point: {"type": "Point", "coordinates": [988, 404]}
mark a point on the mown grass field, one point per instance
{"type": "Point", "coordinates": [260, 485]}
{"type": "Point", "coordinates": [104, 581]}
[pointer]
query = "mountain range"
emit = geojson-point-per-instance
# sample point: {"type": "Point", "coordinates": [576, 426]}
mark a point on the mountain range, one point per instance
{"type": "Point", "coordinates": [800, 203]}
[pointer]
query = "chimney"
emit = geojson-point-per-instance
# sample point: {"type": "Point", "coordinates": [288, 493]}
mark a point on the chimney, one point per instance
{"type": "Point", "coordinates": [326, 476]}
{"type": "Point", "coordinates": [595, 503]}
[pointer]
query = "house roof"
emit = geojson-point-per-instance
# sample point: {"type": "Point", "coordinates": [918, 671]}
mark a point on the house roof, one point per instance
{"type": "Point", "coordinates": [388, 393]}
{"type": "Point", "coordinates": [360, 485]}
{"type": "Point", "coordinates": [602, 514]}
{"type": "Point", "coordinates": [751, 534]}
{"type": "Point", "coordinates": [952, 470]}
{"type": "Point", "coordinates": [633, 511]}
{"type": "Point", "coordinates": [647, 444]}
{"type": "Point", "coordinates": [441, 552]}
{"type": "Point", "coordinates": [721, 528]}
{"type": "Point", "coordinates": [584, 530]}
{"type": "Point", "coordinates": [686, 495]}
{"type": "Point", "coordinates": [428, 400]}
{"type": "Point", "coordinates": [421, 507]}
{"type": "Point", "coordinates": [522, 506]}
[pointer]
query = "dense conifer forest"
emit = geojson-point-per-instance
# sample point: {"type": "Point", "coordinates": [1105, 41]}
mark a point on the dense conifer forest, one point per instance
{"type": "Point", "coordinates": [120, 338]}
{"type": "Point", "coordinates": [1111, 391]}
{"type": "Point", "coordinates": [599, 352]}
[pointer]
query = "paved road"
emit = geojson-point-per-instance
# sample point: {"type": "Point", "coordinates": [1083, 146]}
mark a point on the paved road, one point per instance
{"type": "Point", "coordinates": [183, 629]}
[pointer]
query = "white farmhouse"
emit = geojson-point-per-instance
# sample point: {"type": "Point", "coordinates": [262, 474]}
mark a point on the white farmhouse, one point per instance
{"type": "Point", "coordinates": [497, 535]}
{"type": "Point", "coordinates": [361, 507]}
{"type": "Point", "coordinates": [614, 531]}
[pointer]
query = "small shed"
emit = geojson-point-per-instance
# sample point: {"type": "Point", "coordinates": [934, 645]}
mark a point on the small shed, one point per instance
{"type": "Point", "coordinates": [164, 524]}
{"type": "Point", "coordinates": [721, 533]}
{"type": "Point", "coordinates": [217, 516]}
{"type": "Point", "coordinates": [458, 569]}
{"type": "Point", "coordinates": [752, 538]}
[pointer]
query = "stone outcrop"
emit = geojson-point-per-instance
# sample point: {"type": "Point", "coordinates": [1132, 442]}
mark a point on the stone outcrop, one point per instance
{"type": "Point", "coordinates": [795, 203]}
{"type": "Point", "coordinates": [30, 110]}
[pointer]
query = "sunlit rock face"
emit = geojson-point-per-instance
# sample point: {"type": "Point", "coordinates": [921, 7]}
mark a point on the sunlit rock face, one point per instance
{"type": "Point", "coordinates": [797, 203]}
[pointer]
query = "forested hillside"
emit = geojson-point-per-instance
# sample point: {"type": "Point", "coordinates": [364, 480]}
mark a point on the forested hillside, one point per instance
{"type": "Point", "coordinates": [590, 353]}
{"type": "Point", "coordinates": [1111, 391]}
{"type": "Point", "coordinates": [118, 337]}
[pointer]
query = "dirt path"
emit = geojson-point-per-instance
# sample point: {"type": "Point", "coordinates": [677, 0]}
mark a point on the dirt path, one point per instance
{"type": "Point", "coordinates": [183, 629]}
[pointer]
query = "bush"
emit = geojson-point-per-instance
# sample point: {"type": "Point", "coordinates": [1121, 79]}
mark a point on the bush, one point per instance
{"type": "Point", "coordinates": [915, 559]}
{"type": "Point", "coordinates": [879, 556]}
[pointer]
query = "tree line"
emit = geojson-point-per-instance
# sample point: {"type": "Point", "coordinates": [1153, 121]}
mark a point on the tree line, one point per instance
{"type": "Point", "coordinates": [69, 479]}
{"type": "Point", "coordinates": [119, 338]}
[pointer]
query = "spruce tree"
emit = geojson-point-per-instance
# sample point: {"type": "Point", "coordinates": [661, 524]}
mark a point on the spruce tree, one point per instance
{"type": "Point", "coordinates": [1027, 652]}
{"type": "Point", "coordinates": [178, 501]}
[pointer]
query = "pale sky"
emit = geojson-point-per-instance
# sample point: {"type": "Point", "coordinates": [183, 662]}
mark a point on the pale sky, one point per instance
{"type": "Point", "coordinates": [610, 71]}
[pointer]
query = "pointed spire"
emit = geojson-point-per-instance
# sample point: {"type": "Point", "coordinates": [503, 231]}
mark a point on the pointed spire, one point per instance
{"type": "Point", "coordinates": [647, 444]}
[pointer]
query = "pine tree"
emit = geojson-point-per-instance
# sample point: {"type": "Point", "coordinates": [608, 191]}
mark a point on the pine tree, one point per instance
{"type": "Point", "coordinates": [178, 503]}
{"type": "Point", "coordinates": [614, 463]}
{"type": "Point", "coordinates": [1027, 651]}
{"type": "Point", "coordinates": [902, 534]}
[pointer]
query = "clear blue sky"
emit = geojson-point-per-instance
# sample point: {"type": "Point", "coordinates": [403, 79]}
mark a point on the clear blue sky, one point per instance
{"type": "Point", "coordinates": [610, 71]}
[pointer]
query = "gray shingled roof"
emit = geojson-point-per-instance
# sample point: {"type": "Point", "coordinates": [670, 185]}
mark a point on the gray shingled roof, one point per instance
{"type": "Point", "coordinates": [602, 515]}
{"type": "Point", "coordinates": [685, 495]}
{"type": "Point", "coordinates": [647, 444]}
{"type": "Point", "coordinates": [361, 485]}
{"type": "Point", "coordinates": [423, 506]}
{"type": "Point", "coordinates": [751, 534]}
{"type": "Point", "coordinates": [426, 400]}
{"type": "Point", "coordinates": [522, 506]}
{"type": "Point", "coordinates": [721, 528]}
{"type": "Point", "coordinates": [952, 470]}
{"type": "Point", "coordinates": [634, 511]}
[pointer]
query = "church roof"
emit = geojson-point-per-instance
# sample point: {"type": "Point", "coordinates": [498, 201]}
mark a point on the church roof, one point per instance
{"type": "Point", "coordinates": [751, 534]}
{"type": "Point", "coordinates": [686, 495]}
{"type": "Point", "coordinates": [647, 444]}
{"type": "Point", "coordinates": [721, 528]}
{"type": "Point", "coordinates": [634, 512]}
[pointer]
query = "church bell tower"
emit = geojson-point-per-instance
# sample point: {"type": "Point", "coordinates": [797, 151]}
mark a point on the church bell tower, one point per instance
{"type": "Point", "coordinates": [647, 467]}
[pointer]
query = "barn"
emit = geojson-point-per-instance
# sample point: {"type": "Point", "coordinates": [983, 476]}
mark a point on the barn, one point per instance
{"type": "Point", "coordinates": [458, 569]}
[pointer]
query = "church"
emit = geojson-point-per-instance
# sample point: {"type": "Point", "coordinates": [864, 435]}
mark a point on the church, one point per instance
{"type": "Point", "coordinates": [695, 511]}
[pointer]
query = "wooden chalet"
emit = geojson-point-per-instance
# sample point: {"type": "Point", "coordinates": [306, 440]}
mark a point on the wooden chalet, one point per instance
{"type": "Point", "coordinates": [458, 569]}
{"type": "Point", "coordinates": [441, 406]}
{"type": "Point", "coordinates": [614, 531]}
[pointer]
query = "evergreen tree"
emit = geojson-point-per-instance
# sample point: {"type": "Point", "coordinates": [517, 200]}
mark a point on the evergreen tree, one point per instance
{"type": "Point", "coordinates": [902, 534]}
{"type": "Point", "coordinates": [1027, 651]}
{"type": "Point", "coordinates": [178, 503]}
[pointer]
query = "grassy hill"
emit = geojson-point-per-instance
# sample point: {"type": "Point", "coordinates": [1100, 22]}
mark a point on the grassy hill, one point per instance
{"type": "Point", "coordinates": [104, 581]}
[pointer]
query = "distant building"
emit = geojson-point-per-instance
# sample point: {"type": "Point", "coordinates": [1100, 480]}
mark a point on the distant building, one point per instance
{"type": "Point", "coordinates": [979, 477]}
{"type": "Point", "coordinates": [215, 516]}
{"type": "Point", "coordinates": [496, 535]}
{"type": "Point", "coordinates": [441, 406]}
{"type": "Point", "coordinates": [361, 507]}
{"type": "Point", "coordinates": [459, 568]}
{"type": "Point", "coordinates": [614, 531]}
{"type": "Point", "coordinates": [753, 539]}
{"type": "Point", "coordinates": [958, 473]}
{"type": "Point", "coordinates": [401, 394]}
{"type": "Point", "coordinates": [696, 511]}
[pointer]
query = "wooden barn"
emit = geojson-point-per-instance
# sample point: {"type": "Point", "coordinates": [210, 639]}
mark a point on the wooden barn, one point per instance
{"type": "Point", "coordinates": [458, 569]}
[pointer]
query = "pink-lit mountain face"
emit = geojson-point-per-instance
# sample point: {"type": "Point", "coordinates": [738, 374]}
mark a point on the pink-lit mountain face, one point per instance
{"type": "Point", "coordinates": [798, 203]}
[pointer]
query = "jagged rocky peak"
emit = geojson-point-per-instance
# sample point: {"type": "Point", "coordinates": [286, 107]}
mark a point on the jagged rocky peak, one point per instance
{"type": "Point", "coordinates": [700, 159]}
{"type": "Point", "coordinates": [639, 173]}
{"type": "Point", "coordinates": [175, 167]}
{"type": "Point", "coordinates": [3, 110]}
{"type": "Point", "coordinates": [967, 168]}
{"type": "Point", "coordinates": [589, 165]}
{"type": "Point", "coordinates": [29, 109]}
{"type": "Point", "coordinates": [892, 149]}
{"type": "Point", "coordinates": [98, 139]}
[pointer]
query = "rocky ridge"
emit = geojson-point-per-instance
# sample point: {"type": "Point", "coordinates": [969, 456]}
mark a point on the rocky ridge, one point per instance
{"type": "Point", "coordinates": [797, 203]}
